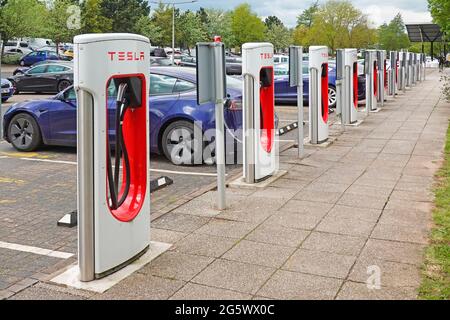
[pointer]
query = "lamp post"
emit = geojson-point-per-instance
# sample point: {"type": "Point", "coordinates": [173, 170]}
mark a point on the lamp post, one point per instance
{"type": "Point", "coordinates": [173, 21]}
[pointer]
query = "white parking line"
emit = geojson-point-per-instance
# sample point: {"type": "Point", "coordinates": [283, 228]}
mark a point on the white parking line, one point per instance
{"type": "Point", "coordinates": [35, 250]}
{"type": "Point", "coordinates": [49, 161]}
{"type": "Point", "coordinates": [151, 170]}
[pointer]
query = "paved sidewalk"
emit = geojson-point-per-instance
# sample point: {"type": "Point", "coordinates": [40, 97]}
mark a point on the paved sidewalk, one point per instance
{"type": "Point", "coordinates": [360, 206]}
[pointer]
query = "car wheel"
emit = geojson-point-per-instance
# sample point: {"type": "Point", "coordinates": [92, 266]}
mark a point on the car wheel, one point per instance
{"type": "Point", "coordinates": [179, 144]}
{"type": "Point", "coordinates": [24, 133]}
{"type": "Point", "coordinates": [63, 84]}
{"type": "Point", "coordinates": [332, 97]}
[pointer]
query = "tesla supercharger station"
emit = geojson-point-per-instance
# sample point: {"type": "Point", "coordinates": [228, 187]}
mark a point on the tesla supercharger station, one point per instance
{"type": "Point", "coordinates": [111, 77]}
{"type": "Point", "coordinates": [347, 72]}
{"type": "Point", "coordinates": [382, 76]}
{"type": "Point", "coordinates": [417, 66]}
{"type": "Point", "coordinates": [409, 70]}
{"type": "Point", "coordinates": [260, 150]}
{"type": "Point", "coordinates": [393, 73]}
{"type": "Point", "coordinates": [402, 71]}
{"type": "Point", "coordinates": [318, 94]}
{"type": "Point", "coordinates": [413, 68]}
{"type": "Point", "coordinates": [371, 71]}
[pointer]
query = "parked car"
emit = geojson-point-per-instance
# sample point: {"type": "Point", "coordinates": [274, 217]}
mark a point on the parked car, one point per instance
{"type": "Point", "coordinates": [22, 70]}
{"type": "Point", "coordinates": [187, 61]}
{"type": "Point", "coordinates": [284, 93]}
{"type": "Point", "coordinates": [46, 77]}
{"type": "Point", "coordinates": [21, 51]}
{"type": "Point", "coordinates": [160, 62]}
{"type": "Point", "coordinates": [7, 90]}
{"type": "Point", "coordinates": [173, 111]}
{"type": "Point", "coordinates": [9, 45]}
{"type": "Point", "coordinates": [41, 55]}
{"type": "Point", "coordinates": [158, 52]}
{"type": "Point", "coordinates": [278, 58]}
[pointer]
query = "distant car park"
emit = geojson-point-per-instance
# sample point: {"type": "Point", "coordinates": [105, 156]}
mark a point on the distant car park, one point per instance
{"type": "Point", "coordinates": [38, 56]}
{"type": "Point", "coordinates": [46, 77]}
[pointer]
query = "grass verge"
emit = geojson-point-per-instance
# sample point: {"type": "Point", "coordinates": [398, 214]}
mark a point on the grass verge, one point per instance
{"type": "Point", "coordinates": [436, 271]}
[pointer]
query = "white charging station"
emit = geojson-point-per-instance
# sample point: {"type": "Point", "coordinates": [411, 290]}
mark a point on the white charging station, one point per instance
{"type": "Point", "coordinates": [318, 94]}
{"type": "Point", "coordinates": [260, 148]}
{"type": "Point", "coordinates": [409, 71]}
{"type": "Point", "coordinates": [371, 71]}
{"type": "Point", "coordinates": [403, 70]}
{"type": "Point", "coordinates": [393, 73]}
{"type": "Point", "coordinates": [413, 57]}
{"type": "Point", "coordinates": [351, 85]}
{"type": "Point", "coordinates": [382, 76]}
{"type": "Point", "coordinates": [417, 66]}
{"type": "Point", "coordinates": [111, 72]}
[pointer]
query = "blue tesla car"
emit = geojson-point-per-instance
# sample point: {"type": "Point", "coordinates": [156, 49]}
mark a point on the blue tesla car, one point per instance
{"type": "Point", "coordinates": [173, 112]}
{"type": "Point", "coordinates": [6, 90]}
{"type": "Point", "coordinates": [284, 93]}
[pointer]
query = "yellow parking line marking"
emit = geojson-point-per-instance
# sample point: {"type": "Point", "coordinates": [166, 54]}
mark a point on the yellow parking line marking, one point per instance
{"type": "Point", "coordinates": [36, 250]}
{"type": "Point", "coordinates": [10, 180]}
{"type": "Point", "coordinates": [7, 201]}
{"type": "Point", "coordinates": [26, 155]}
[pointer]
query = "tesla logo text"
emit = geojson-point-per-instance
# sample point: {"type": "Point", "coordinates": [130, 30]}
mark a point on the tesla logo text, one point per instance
{"type": "Point", "coordinates": [266, 55]}
{"type": "Point", "coordinates": [126, 56]}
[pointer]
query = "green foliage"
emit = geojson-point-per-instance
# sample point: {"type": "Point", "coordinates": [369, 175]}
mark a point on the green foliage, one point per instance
{"type": "Point", "coordinates": [218, 23]}
{"type": "Point", "coordinates": [146, 27]}
{"type": "Point", "coordinates": [246, 26]}
{"type": "Point", "coordinates": [21, 18]}
{"type": "Point", "coordinates": [125, 14]}
{"type": "Point", "coordinates": [11, 59]}
{"type": "Point", "coordinates": [56, 22]}
{"type": "Point", "coordinates": [307, 16]}
{"type": "Point", "coordinates": [92, 19]}
{"type": "Point", "coordinates": [279, 36]}
{"type": "Point", "coordinates": [190, 30]}
{"type": "Point", "coordinates": [272, 21]}
{"type": "Point", "coordinates": [393, 36]}
{"type": "Point", "coordinates": [162, 17]}
{"type": "Point", "coordinates": [338, 24]}
{"type": "Point", "coordinates": [436, 270]}
{"type": "Point", "coordinates": [440, 10]}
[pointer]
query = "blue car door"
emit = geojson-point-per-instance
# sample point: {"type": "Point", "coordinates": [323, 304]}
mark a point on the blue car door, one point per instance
{"type": "Point", "coordinates": [162, 98]}
{"type": "Point", "coordinates": [63, 119]}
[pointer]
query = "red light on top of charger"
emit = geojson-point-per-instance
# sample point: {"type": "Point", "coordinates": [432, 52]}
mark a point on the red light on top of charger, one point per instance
{"type": "Point", "coordinates": [217, 39]}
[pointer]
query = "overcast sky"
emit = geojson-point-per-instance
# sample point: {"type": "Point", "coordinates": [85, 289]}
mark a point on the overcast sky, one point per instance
{"type": "Point", "coordinates": [379, 11]}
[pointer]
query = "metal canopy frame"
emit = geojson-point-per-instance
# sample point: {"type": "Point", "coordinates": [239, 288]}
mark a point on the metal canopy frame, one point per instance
{"type": "Point", "coordinates": [425, 32]}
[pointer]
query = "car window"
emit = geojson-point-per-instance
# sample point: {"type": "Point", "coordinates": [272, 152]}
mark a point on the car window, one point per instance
{"type": "Point", "coordinates": [183, 86]}
{"type": "Point", "coordinates": [56, 68]}
{"type": "Point", "coordinates": [160, 84]}
{"type": "Point", "coordinates": [38, 69]}
{"type": "Point", "coordinates": [33, 54]}
{"type": "Point", "coordinates": [24, 45]}
{"type": "Point", "coordinates": [70, 94]}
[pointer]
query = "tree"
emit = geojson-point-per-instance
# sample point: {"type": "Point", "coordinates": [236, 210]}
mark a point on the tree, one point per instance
{"type": "Point", "coordinates": [92, 19]}
{"type": "Point", "coordinates": [278, 35]}
{"type": "Point", "coordinates": [190, 30]}
{"type": "Point", "coordinates": [56, 22]}
{"type": "Point", "coordinates": [393, 36]}
{"type": "Point", "coordinates": [440, 10]}
{"type": "Point", "coordinates": [125, 14]}
{"type": "Point", "coordinates": [339, 24]}
{"type": "Point", "coordinates": [218, 23]}
{"type": "Point", "coordinates": [246, 26]}
{"type": "Point", "coordinates": [272, 21]}
{"type": "Point", "coordinates": [146, 27]}
{"type": "Point", "coordinates": [21, 18]}
{"type": "Point", "coordinates": [162, 17]}
{"type": "Point", "coordinates": [307, 16]}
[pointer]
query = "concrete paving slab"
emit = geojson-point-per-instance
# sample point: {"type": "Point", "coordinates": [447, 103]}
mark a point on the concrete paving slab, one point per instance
{"type": "Point", "coordinates": [180, 222]}
{"type": "Point", "coordinates": [393, 274]}
{"type": "Point", "coordinates": [405, 233]}
{"type": "Point", "coordinates": [262, 254]}
{"type": "Point", "coordinates": [286, 285]}
{"type": "Point", "coordinates": [278, 235]}
{"type": "Point", "coordinates": [334, 243]}
{"type": "Point", "coordinates": [192, 291]}
{"type": "Point", "coordinates": [204, 245]}
{"type": "Point", "coordinates": [227, 228]}
{"type": "Point", "coordinates": [402, 252]}
{"type": "Point", "coordinates": [359, 291]}
{"type": "Point", "coordinates": [142, 287]}
{"type": "Point", "coordinates": [177, 265]}
{"type": "Point", "coordinates": [232, 275]}
{"type": "Point", "coordinates": [346, 212]}
{"type": "Point", "coordinates": [352, 227]}
{"type": "Point", "coordinates": [320, 263]}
